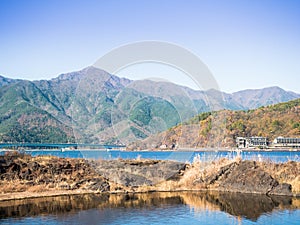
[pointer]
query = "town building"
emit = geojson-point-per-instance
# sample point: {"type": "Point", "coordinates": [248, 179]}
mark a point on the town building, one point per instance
{"type": "Point", "coordinates": [286, 142]}
{"type": "Point", "coordinates": [262, 142]}
{"type": "Point", "coordinates": [252, 142]}
{"type": "Point", "coordinates": [258, 142]}
{"type": "Point", "coordinates": [241, 142]}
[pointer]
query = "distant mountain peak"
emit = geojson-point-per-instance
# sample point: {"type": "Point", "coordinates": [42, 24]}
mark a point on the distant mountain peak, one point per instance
{"type": "Point", "coordinates": [92, 73]}
{"type": "Point", "coordinates": [253, 98]}
{"type": "Point", "coordinates": [6, 81]}
{"type": "Point", "coordinates": [78, 75]}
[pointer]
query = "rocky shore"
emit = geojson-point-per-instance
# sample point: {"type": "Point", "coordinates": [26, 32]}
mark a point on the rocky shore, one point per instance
{"type": "Point", "coordinates": [23, 176]}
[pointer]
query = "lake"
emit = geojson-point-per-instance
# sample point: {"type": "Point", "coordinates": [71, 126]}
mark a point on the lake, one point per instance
{"type": "Point", "coordinates": [183, 156]}
{"type": "Point", "coordinates": [153, 208]}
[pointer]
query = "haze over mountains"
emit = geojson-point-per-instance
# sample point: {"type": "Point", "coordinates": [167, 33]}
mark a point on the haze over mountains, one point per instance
{"type": "Point", "coordinates": [92, 106]}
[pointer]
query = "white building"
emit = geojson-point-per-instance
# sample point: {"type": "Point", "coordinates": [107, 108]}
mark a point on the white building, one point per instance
{"type": "Point", "coordinates": [241, 142]}
{"type": "Point", "coordinates": [252, 142]}
{"type": "Point", "coordinates": [286, 142]}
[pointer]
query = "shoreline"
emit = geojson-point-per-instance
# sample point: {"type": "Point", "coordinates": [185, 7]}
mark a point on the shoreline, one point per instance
{"type": "Point", "coordinates": [56, 193]}
{"type": "Point", "coordinates": [31, 195]}
{"type": "Point", "coordinates": [24, 176]}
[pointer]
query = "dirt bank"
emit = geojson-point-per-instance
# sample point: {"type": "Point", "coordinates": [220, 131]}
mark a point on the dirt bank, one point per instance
{"type": "Point", "coordinates": [24, 176]}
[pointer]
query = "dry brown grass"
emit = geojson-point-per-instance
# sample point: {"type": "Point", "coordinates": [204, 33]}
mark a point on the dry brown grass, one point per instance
{"type": "Point", "coordinates": [168, 185]}
{"type": "Point", "coordinates": [200, 170]}
{"type": "Point", "coordinates": [196, 171]}
{"type": "Point", "coordinates": [296, 185]}
{"type": "Point", "coordinates": [192, 178]}
{"type": "Point", "coordinates": [12, 186]}
{"type": "Point", "coordinates": [288, 172]}
{"type": "Point", "coordinates": [37, 188]}
{"type": "Point", "coordinates": [20, 186]}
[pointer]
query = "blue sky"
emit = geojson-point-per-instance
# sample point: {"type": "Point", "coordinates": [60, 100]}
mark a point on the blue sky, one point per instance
{"type": "Point", "coordinates": [245, 44]}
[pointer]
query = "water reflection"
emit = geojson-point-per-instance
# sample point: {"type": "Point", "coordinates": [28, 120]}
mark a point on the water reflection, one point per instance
{"type": "Point", "coordinates": [246, 206]}
{"type": "Point", "coordinates": [249, 206]}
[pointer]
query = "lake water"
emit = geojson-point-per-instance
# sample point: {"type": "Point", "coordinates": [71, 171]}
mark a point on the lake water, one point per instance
{"type": "Point", "coordinates": [183, 156]}
{"type": "Point", "coordinates": [154, 208]}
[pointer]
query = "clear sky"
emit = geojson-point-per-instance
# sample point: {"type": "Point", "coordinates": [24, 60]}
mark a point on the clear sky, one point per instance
{"type": "Point", "coordinates": [245, 43]}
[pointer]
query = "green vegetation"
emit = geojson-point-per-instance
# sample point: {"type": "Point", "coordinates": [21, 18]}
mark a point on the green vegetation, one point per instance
{"type": "Point", "coordinates": [152, 115]}
{"type": "Point", "coordinates": [198, 118]}
{"type": "Point", "coordinates": [137, 133]}
{"type": "Point", "coordinates": [148, 108]}
{"type": "Point", "coordinates": [28, 124]}
{"type": "Point", "coordinates": [22, 118]}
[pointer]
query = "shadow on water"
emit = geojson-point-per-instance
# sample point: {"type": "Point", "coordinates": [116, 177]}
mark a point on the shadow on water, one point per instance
{"type": "Point", "coordinates": [246, 206]}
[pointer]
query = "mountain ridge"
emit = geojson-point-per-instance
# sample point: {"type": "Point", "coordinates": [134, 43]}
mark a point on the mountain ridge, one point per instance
{"type": "Point", "coordinates": [94, 106]}
{"type": "Point", "coordinates": [262, 94]}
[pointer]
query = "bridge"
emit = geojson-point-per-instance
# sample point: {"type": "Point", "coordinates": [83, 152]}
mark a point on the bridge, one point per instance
{"type": "Point", "coordinates": [58, 146]}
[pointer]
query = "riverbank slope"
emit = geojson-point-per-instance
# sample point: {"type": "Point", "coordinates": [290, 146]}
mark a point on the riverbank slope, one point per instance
{"type": "Point", "coordinates": [24, 176]}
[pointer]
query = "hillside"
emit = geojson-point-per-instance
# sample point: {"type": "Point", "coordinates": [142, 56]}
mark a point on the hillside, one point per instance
{"type": "Point", "coordinates": [25, 116]}
{"type": "Point", "coordinates": [219, 129]}
{"type": "Point", "coordinates": [93, 106]}
{"type": "Point", "coordinates": [89, 106]}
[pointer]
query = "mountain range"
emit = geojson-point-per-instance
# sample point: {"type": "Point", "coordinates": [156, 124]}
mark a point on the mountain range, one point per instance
{"type": "Point", "coordinates": [93, 106]}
